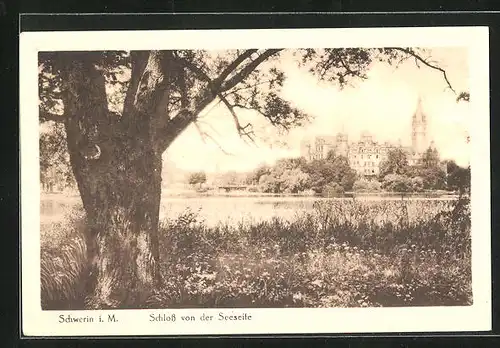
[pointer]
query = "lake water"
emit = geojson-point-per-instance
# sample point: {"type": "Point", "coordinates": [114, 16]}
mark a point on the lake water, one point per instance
{"type": "Point", "coordinates": [211, 209]}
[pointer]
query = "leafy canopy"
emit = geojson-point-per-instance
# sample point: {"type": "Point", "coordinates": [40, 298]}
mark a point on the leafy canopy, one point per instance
{"type": "Point", "coordinates": [197, 178]}
{"type": "Point", "coordinates": [192, 82]}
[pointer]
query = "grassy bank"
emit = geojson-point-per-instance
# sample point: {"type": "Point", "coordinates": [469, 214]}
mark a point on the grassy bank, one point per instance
{"type": "Point", "coordinates": [340, 254]}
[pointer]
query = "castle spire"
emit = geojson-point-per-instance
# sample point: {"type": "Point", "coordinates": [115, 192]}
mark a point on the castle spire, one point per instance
{"type": "Point", "coordinates": [419, 115]}
{"type": "Point", "coordinates": [419, 128]}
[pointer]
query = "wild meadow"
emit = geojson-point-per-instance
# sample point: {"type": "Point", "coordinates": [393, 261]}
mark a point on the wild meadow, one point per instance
{"type": "Point", "coordinates": [340, 253]}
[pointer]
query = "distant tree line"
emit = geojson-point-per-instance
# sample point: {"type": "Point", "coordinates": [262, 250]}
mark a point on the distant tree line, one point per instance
{"type": "Point", "coordinates": [333, 176]}
{"type": "Point", "coordinates": [430, 174]}
{"type": "Point", "coordinates": [55, 169]}
{"type": "Point", "coordinates": [328, 177]}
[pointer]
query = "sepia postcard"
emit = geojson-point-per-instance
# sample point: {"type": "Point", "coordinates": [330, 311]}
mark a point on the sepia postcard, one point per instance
{"type": "Point", "coordinates": [211, 182]}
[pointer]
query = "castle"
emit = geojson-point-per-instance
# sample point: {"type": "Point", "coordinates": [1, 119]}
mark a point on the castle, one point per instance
{"type": "Point", "coordinates": [366, 154]}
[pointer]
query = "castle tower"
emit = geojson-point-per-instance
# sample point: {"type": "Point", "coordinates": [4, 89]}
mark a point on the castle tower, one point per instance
{"type": "Point", "coordinates": [305, 148]}
{"type": "Point", "coordinates": [419, 129]}
{"type": "Point", "coordinates": [342, 144]}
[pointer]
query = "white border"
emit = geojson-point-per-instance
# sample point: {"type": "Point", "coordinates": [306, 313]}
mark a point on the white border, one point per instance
{"type": "Point", "coordinates": [477, 317]}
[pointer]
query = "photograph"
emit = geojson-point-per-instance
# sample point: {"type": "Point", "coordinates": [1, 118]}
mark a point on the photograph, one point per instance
{"type": "Point", "coordinates": [256, 177]}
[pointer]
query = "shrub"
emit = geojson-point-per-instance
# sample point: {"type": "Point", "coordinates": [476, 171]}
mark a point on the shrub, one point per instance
{"type": "Point", "coordinates": [342, 253]}
{"type": "Point", "coordinates": [397, 183]}
{"type": "Point", "coordinates": [332, 190]}
{"type": "Point", "coordinates": [417, 184]}
{"type": "Point", "coordinates": [363, 185]}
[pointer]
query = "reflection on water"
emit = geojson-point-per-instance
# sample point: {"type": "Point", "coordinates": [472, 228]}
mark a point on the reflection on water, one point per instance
{"type": "Point", "coordinates": [55, 207]}
{"type": "Point", "coordinates": [212, 209]}
{"type": "Point", "coordinates": [51, 207]}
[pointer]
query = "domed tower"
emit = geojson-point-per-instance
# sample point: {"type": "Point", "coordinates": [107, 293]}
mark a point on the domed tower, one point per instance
{"type": "Point", "coordinates": [419, 129]}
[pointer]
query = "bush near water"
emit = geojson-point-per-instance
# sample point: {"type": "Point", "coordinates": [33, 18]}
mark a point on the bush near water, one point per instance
{"type": "Point", "coordinates": [343, 253]}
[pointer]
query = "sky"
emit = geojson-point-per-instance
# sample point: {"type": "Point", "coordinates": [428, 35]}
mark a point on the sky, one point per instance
{"type": "Point", "coordinates": [382, 105]}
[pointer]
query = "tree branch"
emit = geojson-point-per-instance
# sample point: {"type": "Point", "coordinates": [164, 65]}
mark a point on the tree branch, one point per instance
{"type": "Point", "coordinates": [185, 117]}
{"type": "Point", "coordinates": [241, 130]}
{"type": "Point", "coordinates": [198, 71]}
{"type": "Point", "coordinates": [231, 67]}
{"type": "Point", "coordinates": [247, 70]}
{"type": "Point", "coordinates": [350, 71]}
{"type": "Point", "coordinates": [241, 106]}
{"type": "Point", "coordinates": [209, 125]}
{"type": "Point", "coordinates": [425, 62]}
{"type": "Point", "coordinates": [248, 87]}
{"type": "Point", "coordinates": [205, 135]}
{"type": "Point", "coordinates": [175, 126]}
{"type": "Point", "coordinates": [139, 61]}
{"type": "Point", "coordinates": [465, 96]}
{"type": "Point", "coordinates": [215, 87]}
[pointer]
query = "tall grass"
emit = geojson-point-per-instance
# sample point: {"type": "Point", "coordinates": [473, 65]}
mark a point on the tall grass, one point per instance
{"type": "Point", "coordinates": [63, 263]}
{"type": "Point", "coordinates": [339, 254]}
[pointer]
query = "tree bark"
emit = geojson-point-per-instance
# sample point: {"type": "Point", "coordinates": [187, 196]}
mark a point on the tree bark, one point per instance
{"type": "Point", "coordinates": [118, 172]}
{"type": "Point", "coordinates": [116, 161]}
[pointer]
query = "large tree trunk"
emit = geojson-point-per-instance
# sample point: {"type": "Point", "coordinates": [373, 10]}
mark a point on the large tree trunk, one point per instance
{"type": "Point", "coordinates": [118, 172]}
{"type": "Point", "coordinates": [123, 228]}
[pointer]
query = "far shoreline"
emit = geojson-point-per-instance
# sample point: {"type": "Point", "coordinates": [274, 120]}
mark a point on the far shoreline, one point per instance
{"type": "Point", "coordinates": [190, 194]}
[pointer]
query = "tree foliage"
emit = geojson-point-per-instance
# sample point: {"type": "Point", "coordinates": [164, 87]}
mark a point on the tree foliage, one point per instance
{"type": "Point", "coordinates": [396, 163]}
{"type": "Point", "coordinates": [417, 184]}
{"type": "Point", "coordinates": [430, 170]}
{"type": "Point", "coordinates": [334, 169]}
{"type": "Point", "coordinates": [197, 178]}
{"type": "Point", "coordinates": [253, 178]}
{"type": "Point", "coordinates": [364, 185]}
{"type": "Point", "coordinates": [397, 183]}
{"type": "Point", "coordinates": [332, 189]}
{"type": "Point", "coordinates": [458, 178]}
{"type": "Point", "coordinates": [55, 168]}
{"type": "Point", "coordinates": [434, 178]}
{"type": "Point", "coordinates": [430, 158]}
{"type": "Point", "coordinates": [122, 109]}
{"type": "Point", "coordinates": [191, 80]}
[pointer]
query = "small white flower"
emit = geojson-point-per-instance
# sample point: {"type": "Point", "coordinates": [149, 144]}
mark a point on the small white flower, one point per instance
{"type": "Point", "coordinates": [317, 282]}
